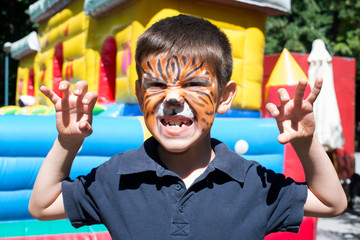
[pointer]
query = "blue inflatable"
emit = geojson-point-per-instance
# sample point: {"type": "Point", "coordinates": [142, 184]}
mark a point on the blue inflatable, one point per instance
{"type": "Point", "coordinates": [26, 140]}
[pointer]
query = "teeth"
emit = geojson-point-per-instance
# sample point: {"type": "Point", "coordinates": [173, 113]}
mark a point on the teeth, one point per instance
{"type": "Point", "coordinates": [175, 123]}
{"type": "Point", "coordinates": [172, 122]}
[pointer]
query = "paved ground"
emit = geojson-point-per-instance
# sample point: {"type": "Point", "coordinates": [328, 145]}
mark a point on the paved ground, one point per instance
{"type": "Point", "coordinates": [343, 227]}
{"type": "Point", "coordinates": [347, 225]}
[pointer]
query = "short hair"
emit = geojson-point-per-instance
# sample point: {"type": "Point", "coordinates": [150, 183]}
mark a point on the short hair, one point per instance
{"type": "Point", "coordinates": [189, 36]}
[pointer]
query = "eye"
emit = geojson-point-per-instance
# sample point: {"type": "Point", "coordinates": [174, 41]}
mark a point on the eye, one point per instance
{"type": "Point", "coordinates": [158, 85]}
{"type": "Point", "coordinates": [197, 83]}
{"type": "Point", "coordinates": [154, 84]}
{"type": "Point", "coordinates": [194, 84]}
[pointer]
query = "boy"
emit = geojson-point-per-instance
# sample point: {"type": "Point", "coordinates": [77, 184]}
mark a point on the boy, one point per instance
{"type": "Point", "coordinates": [181, 184]}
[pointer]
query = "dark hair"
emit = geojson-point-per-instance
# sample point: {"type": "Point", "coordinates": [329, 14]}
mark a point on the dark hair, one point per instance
{"type": "Point", "coordinates": [188, 36]}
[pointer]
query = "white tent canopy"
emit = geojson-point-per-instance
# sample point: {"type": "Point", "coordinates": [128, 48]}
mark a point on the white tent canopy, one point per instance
{"type": "Point", "coordinates": [100, 7]}
{"type": "Point", "coordinates": [44, 9]}
{"type": "Point", "coordinates": [270, 7]}
{"type": "Point", "coordinates": [327, 116]}
{"type": "Point", "coordinates": [25, 46]}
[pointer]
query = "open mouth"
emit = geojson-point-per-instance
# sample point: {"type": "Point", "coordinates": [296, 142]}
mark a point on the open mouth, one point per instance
{"type": "Point", "coordinates": [176, 122]}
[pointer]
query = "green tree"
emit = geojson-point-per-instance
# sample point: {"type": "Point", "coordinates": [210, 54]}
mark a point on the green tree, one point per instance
{"type": "Point", "coordinates": [336, 22]}
{"type": "Point", "coordinates": [15, 25]}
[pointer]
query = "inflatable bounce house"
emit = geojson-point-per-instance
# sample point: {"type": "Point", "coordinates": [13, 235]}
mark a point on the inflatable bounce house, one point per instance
{"type": "Point", "coordinates": [95, 41]}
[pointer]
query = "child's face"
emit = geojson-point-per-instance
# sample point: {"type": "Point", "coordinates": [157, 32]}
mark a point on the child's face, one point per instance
{"type": "Point", "coordinates": [178, 98]}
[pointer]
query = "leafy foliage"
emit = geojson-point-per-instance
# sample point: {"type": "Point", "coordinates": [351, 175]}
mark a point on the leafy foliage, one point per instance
{"type": "Point", "coordinates": [15, 25]}
{"type": "Point", "coordinates": [336, 22]}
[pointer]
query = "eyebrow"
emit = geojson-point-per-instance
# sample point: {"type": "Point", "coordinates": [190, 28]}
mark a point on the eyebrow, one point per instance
{"type": "Point", "coordinates": [198, 79]}
{"type": "Point", "coordinates": [153, 79]}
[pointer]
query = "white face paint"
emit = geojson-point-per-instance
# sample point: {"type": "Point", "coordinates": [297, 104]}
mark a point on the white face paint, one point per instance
{"type": "Point", "coordinates": [183, 111]}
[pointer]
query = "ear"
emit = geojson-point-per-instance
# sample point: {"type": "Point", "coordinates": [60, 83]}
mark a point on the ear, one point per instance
{"type": "Point", "coordinates": [139, 95]}
{"type": "Point", "coordinates": [227, 97]}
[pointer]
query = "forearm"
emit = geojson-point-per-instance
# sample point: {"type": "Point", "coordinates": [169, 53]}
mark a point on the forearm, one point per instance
{"type": "Point", "coordinates": [46, 199]}
{"type": "Point", "coordinates": [328, 197]}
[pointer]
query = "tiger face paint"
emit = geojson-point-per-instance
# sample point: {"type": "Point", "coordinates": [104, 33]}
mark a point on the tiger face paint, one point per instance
{"type": "Point", "coordinates": [178, 99]}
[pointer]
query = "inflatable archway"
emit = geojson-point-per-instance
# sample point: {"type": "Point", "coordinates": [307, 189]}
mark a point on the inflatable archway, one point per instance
{"type": "Point", "coordinates": [85, 40]}
{"type": "Point", "coordinates": [95, 41]}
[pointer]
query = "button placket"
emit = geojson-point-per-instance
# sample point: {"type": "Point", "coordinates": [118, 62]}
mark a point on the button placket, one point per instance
{"type": "Point", "coordinates": [179, 191]}
{"type": "Point", "coordinates": [185, 202]}
{"type": "Point", "coordinates": [180, 223]}
{"type": "Point", "coordinates": [178, 187]}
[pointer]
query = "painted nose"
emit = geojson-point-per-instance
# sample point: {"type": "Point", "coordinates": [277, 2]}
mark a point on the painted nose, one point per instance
{"type": "Point", "coordinates": [173, 99]}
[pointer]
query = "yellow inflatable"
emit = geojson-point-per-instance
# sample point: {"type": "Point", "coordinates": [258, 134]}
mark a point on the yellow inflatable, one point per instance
{"type": "Point", "coordinates": [95, 41]}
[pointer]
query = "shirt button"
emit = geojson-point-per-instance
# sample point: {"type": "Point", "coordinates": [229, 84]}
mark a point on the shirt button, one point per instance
{"type": "Point", "coordinates": [181, 208]}
{"type": "Point", "coordinates": [178, 187]}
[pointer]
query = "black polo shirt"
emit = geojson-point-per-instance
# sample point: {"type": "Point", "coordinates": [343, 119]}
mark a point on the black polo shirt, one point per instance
{"type": "Point", "coordinates": [136, 197]}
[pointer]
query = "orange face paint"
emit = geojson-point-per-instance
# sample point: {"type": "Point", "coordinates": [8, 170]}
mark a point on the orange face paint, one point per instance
{"type": "Point", "coordinates": [179, 95]}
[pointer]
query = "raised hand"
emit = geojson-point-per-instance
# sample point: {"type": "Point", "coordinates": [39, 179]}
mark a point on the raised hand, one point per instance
{"type": "Point", "coordinates": [295, 117]}
{"type": "Point", "coordinates": [73, 110]}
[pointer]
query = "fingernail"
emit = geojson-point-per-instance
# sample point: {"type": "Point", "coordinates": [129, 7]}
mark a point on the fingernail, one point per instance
{"type": "Point", "coordinates": [77, 91]}
{"type": "Point", "coordinates": [85, 100]}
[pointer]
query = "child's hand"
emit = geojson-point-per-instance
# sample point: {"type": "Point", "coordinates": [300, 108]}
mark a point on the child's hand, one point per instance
{"type": "Point", "coordinates": [295, 117]}
{"type": "Point", "coordinates": [74, 110]}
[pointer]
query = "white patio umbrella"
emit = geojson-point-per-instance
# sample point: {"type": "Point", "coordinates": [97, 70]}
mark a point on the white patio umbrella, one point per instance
{"type": "Point", "coordinates": [327, 117]}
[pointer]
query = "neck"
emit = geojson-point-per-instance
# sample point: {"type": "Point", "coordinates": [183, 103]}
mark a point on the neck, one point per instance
{"type": "Point", "coordinates": [190, 163]}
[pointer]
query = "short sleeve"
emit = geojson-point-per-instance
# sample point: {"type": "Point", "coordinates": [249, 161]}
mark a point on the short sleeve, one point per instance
{"type": "Point", "coordinates": [79, 203]}
{"type": "Point", "coordinates": [286, 199]}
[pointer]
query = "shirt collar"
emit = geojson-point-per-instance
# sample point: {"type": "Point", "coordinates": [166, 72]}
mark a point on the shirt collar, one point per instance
{"type": "Point", "coordinates": [228, 161]}
{"type": "Point", "coordinates": [143, 159]}
{"type": "Point", "coordinates": [146, 159]}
